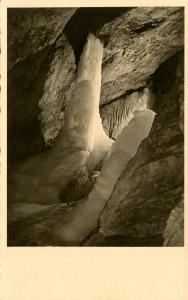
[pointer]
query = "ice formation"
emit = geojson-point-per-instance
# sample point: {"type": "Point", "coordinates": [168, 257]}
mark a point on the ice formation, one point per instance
{"type": "Point", "coordinates": [82, 142]}
{"type": "Point", "coordinates": [85, 216]}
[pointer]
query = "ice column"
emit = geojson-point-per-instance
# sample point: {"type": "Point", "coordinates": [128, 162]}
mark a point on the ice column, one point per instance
{"type": "Point", "coordinates": [83, 126]}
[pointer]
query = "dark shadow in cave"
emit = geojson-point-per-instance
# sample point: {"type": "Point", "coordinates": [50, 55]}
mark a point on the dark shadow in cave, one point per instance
{"type": "Point", "coordinates": [23, 92]}
{"type": "Point", "coordinates": [126, 241]}
{"type": "Point", "coordinates": [164, 79]}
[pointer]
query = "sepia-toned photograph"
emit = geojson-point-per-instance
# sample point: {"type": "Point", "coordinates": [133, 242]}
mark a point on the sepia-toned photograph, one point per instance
{"type": "Point", "coordinates": [95, 126]}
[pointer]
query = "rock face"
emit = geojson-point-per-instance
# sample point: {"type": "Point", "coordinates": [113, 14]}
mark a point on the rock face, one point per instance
{"type": "Point", "coordinates": [137, 42]}
{"type": "Point", "coordinates": [36, 98]}
{"type": "Point", "coordinates": [142, 62]}
{"type": "Point", "coordinates": [57, 89]}
{"type": "Point", "coordinates": [31, 30]}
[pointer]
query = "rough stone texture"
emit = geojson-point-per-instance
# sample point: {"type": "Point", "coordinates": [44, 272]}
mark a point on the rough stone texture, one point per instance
{"type": "Point", "coordinates": [136, 44]}
{"type": "Point", "coordinates": [36, 29]}
{"type": "Point", "coordinates": [174, 231]}
{"type": "Point", "coordinates": [57, 88]}
{"type": "Point", "coordinates": [152, 184]}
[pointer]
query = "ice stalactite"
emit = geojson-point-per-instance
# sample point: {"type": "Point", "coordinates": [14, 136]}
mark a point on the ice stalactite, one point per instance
{"type": "Point", "coordinates": [85, 216]}
{"type": "Point", "coordinates": [116, 115]}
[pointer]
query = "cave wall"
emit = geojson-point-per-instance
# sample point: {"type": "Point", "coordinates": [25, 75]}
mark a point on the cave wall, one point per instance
{"type": "Point", "coordinates": [41, 66]}
{"type": "Point", "coordinates": [137, 42]}
{"type": "Point", "coordinates": [32, 30]}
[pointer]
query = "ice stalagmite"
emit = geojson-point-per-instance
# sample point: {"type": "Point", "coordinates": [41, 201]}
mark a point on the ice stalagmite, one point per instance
{"type": "Point", "coordinates": [83, 126]}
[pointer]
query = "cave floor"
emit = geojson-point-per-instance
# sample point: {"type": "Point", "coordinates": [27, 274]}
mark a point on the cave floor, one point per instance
{"type": "Point", "coordinates": [34, 225]}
